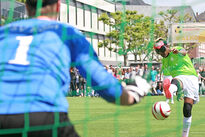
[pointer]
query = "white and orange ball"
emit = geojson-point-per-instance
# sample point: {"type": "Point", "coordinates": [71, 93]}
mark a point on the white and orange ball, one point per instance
{"type": "Point", "coordinates": [161, 110]}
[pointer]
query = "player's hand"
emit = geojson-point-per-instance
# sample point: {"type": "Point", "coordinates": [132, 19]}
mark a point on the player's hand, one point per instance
{"type": "Point", "coordinates": [175, 51]}
{"type": "Point", "coordinates": [137, 87]}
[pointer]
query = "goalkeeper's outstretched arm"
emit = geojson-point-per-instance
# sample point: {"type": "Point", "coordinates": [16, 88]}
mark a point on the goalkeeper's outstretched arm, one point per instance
{"type": "Point", "coordinates": [126, 98]}
{"type": "Point", "coordinates": [134, 91]}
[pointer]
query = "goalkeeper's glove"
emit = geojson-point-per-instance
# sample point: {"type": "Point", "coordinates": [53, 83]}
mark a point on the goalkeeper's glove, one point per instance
{"type": "Point", "coordinates": [137, 87]}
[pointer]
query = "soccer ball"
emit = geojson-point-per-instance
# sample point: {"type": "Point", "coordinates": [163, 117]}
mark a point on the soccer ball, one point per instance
{"type": "Point", "coordinates": [161, 110]}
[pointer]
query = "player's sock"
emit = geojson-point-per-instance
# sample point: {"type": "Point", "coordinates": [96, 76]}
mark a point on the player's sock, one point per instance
{"type": "Point", "coordinates": [167, 101]}
{"type": "Point", "coordinates": [186, 126]}
{"type": "Point", "coordinates": [166, 85]}
{"type": "Point", "coordinates": [172, 100]}
{"type": "Point", "coordinates": [173, 88]}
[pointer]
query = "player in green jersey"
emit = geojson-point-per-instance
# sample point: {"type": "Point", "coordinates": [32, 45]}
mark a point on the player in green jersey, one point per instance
{"type": "Point", "coordinates": [177, 62]}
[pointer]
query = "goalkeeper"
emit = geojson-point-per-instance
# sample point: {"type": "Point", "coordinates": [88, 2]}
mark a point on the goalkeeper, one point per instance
{"type": "Point", "coordinates": [35, 57]}
{"type": "Point", "coordinates": [185, 80]}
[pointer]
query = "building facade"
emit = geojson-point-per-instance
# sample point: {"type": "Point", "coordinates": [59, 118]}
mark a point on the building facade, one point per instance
{"type": "Point", "coordinates": [18, 10]}
{"type": "Point", "coordinates": [200, 17]}
{"type": "Point", "coordinates": [200, 51]}
{"type": "Point", "coordinates": [84, 16]}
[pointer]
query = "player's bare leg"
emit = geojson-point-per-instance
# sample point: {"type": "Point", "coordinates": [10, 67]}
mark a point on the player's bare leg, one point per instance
{"type": "Point", "coordinates": [188, 103]}
{"type": "Point", "coordinates": [177, 86]}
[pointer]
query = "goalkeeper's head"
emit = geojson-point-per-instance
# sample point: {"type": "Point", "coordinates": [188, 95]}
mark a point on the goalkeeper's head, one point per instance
{"type": "Point", "coordinates": [49, 8]}
{"type": "Point", "coordinates": [161, 47]}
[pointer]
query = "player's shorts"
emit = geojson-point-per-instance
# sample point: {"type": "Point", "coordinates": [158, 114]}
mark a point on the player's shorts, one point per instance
{"type": "Point", "coordinates": [190, 86]}
{"type": "Point", "coordinates": [44, 124]}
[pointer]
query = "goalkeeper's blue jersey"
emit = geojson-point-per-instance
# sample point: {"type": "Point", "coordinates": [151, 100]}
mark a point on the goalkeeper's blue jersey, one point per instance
{"type": "Point", "coordinates": [35, 58]}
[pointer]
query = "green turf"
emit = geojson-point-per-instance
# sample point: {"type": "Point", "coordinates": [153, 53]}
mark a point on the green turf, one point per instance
{"type": "Point", "coordinates": [94, 117]}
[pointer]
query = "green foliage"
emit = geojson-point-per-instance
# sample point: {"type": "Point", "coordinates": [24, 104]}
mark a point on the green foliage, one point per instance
{"type": "Point", "coordinates": [23, 1]}
{"type": "Point", "coordinates": [3, 21]}
{"type": "Point", "coordinates": [170, 16]}
{"type": "Point", "coordinates": [130, 33]}
{"type": "Point", "coordinates": [160, 30]}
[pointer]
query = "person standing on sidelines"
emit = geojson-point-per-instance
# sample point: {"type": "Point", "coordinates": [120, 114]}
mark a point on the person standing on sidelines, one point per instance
{"type": "Point", "coordinates": [185, 80]}
{"type": "Point", "coordinates": [153, 80]}
{"type": "Point", "coordinates": [35, 57]}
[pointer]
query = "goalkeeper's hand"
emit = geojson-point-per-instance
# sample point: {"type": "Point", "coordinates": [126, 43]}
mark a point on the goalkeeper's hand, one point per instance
{"type": "Point", "coordinates": [137, 87]}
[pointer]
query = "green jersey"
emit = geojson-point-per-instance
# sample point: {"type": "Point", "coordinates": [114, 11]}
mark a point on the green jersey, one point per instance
{"type": "Point", "coordinates": [178, 64]}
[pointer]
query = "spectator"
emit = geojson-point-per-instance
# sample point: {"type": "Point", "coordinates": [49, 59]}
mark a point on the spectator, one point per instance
{"type": "Point", "coordinates": [146, 72]}
{"type": "Point", "coordinates": [77, 81]}
{"type": "Point", "coordinates": [137, 70]}
{"type": "Point", "coordinates": [159, 88]}
{"type": "Point", "coordinates": [159, 75]}
{"type": "Point", "coordinates": [117, 74]}
{"type": "Point", "coordinates": [82, 86]}
{"type": "Point", "coordinates": [127, 74]}
{"type": "Point", "coordinates": [106, 67]}
{"type": "Point", "coordinates": [202, 73]}
{"type": "Point", "coordinates": [153, 80]}
{"type": "Point", "coordinates": [73, 82]}
{"type": "Point", "coordinates": [122, 74]}
{"type": "Point", "coordinates": [200, 81]}
{"type": "Point", "coordinates": [110, 70]}
{"type": "Point", "coordinates": [140, 70]}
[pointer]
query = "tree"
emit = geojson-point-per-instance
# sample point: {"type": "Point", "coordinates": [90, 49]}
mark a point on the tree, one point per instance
{"type": "Point", "coordinates": [23, 1]}
{"type": "Point", "coordinates": [129, 33]}
{"type": "Point", "coordinates": [142, 38]}
{"type": "Point", "coordinates": [2, 21]}
{"type": "Point", "coordinates": [170, 16]}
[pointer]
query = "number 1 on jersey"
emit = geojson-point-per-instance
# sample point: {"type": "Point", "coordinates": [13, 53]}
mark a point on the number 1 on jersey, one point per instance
{"type": "Point", "coordinates": [22, 50]}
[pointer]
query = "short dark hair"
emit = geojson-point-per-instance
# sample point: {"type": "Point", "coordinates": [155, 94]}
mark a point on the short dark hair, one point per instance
{"type": "Point", "coordinates": [33, 3]}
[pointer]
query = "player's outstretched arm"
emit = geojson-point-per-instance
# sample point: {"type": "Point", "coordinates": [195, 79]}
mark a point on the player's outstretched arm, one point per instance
{"type": "Point", "coordinates": [134, 91]}
{"type": "Point", "coordinates": [182, 51]}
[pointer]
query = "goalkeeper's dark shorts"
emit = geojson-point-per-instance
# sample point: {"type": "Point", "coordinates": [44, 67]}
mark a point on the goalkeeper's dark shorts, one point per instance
{"type": "Point", "coordinates": [38, 124]}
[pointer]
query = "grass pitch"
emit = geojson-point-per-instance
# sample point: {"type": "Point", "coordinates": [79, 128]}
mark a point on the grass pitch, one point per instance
{"type": "Point", "coordinates": [94, 117]}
